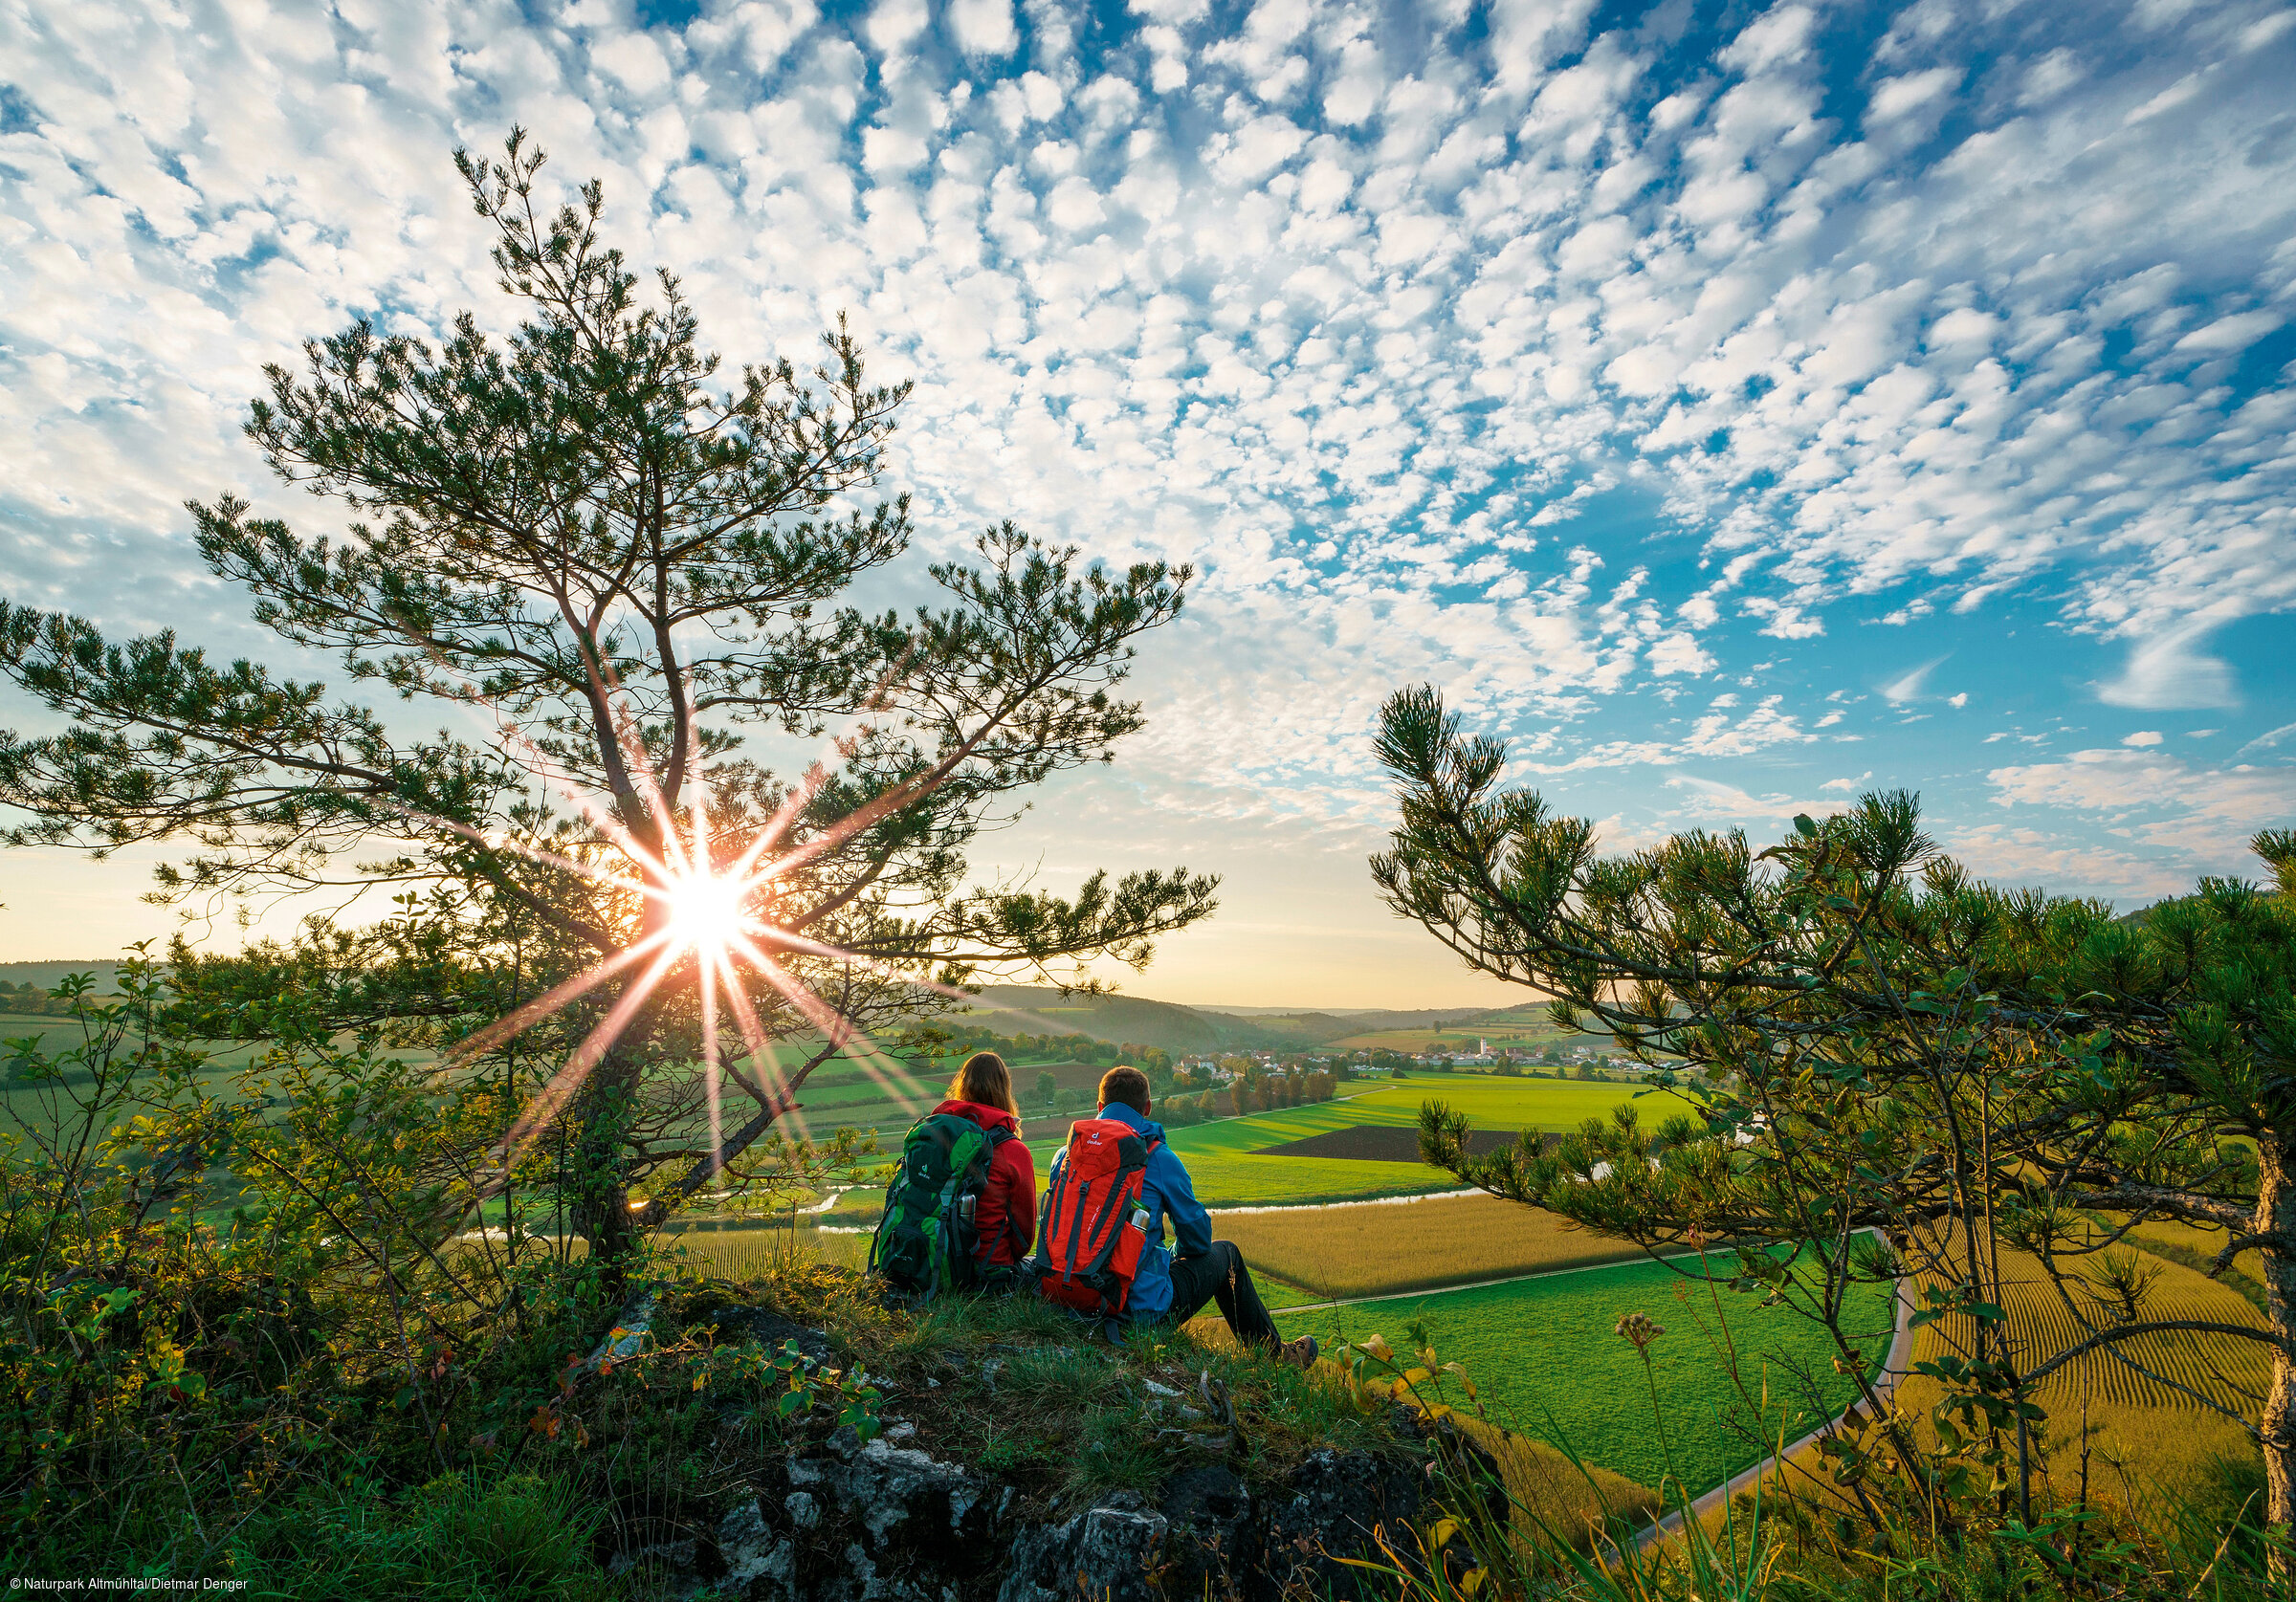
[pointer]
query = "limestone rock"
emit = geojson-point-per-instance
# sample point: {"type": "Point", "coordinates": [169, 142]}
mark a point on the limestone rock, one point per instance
{"type": "Point", "coordinates": [1110, 1552]}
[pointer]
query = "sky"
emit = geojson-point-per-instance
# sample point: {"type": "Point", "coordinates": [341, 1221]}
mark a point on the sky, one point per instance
{"type": "Point", "coordinates": [1734, 407]}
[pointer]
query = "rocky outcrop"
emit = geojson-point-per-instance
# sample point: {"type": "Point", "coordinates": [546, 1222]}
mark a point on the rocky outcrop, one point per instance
{"type": "Point", "coordinates": [882, 1523]}
{"type": "Point", "coordinates": [1337, 1505]}
{"type": "Point", "coordinates": [864, 1522]}
{"type": "Point", "coordinates": [1215, 1536]}
{"type": "Point", "coordinates": [885, 1521]}
{"type": "Point", "coordinates": [1110, 1552]}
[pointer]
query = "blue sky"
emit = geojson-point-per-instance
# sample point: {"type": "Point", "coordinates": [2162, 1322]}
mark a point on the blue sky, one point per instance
{"type": "Point", "coordinates": [1736, 406]}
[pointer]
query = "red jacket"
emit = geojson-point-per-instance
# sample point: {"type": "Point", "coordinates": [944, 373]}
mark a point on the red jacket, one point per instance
{"type": "Point", "coordinates": [1006, 1215]}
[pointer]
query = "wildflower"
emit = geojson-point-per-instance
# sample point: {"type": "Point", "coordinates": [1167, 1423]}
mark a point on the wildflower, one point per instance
{"type": "Point", "coordinates": [1640, 1328]}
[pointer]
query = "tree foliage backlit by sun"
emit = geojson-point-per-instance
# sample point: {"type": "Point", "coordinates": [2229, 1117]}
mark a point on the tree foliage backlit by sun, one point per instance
{"type": "Point", "coordinates": [625, 574]}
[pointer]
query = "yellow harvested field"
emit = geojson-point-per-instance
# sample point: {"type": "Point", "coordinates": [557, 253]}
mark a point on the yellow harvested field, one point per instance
{"type": "Point", "coordinates": [2228, 1369]}
{"type": "Point", "coordinates": [2196, 1244]}
{"type": "Point", "coordinates": [2147, 1440]}
{"type": "Point", "coordinates": [1377, 1248]}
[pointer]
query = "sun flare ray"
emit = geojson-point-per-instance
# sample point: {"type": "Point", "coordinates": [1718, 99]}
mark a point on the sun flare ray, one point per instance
{"type": "Point", "coordinates": [553, 1098]}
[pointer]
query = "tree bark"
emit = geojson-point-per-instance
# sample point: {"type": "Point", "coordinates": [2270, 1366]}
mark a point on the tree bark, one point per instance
{"type": "Point", "coordinates": [601, 1202]}
{"type": "Point", "coordinates": [2276, 1214]}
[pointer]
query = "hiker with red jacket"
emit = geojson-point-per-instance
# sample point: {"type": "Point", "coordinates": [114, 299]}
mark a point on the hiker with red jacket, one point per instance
{"type": "Point", "coordinates": [1172, 1286]}
{"type": "Point", "coordinates": [1004, 1215]}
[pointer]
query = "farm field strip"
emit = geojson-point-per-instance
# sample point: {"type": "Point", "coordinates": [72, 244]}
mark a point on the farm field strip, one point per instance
{"type": "Point", "coordinates": [2227, 1370]}
{"type": "Point", "coordinates": [1543, 1352]}
{"type": "Point", "coordinates": [2147, 1443]}
{"type": "Point", "coordinates": [1230, 1164]}
{"type": "Point", "coordinates": [1386, 1248]}
{"type": "Point", "coordinates": [1219, 1213]}
{"type": "Point", "coordinates": [1471, 1284]}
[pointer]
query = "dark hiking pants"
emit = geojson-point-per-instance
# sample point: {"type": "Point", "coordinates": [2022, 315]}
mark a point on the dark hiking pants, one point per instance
{"type": "Point", "coordinates": [1220, 1275]}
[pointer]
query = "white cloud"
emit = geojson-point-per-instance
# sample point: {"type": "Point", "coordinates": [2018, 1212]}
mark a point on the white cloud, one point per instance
{"type": "Point", "coordinates": [1171, 13]}
{"type": "Point", "coordinates": [1895, 96]}
{"type": "Point", "coordinates": [1257, 148]}
{"type": "Point", "coordinates": [1710, 801]}
{"type": "Point", "coordinates": [2236, 332]}
{"type": "Point", "coordinates": [1907, 685]}
{"type": "Point", "coordinates": [635, 61]}
{"type": "Point", "coordinates": [2263, 741]}
{"type": "Point", "coordinates": [983, 27]}
{"type": "Point", "coordinates": [2050, 77]}
{"type": "Point", "coordinates": [1715, 735]}
{"type": "Point", "coordinates": [1680, 652]}
{"type": "Point", "coordinates": [2169, 673]}
{"type": "Point", "coordinates": [893, 23]}
{"type": "Point", "coordinates": [2202, 816]}
{"type": "Point", "coordinates": [2143, 736]}
{"type": "Point", "coordinates": [1778, 36]}
{"type": "Point", "coordinates": [2019, 856]}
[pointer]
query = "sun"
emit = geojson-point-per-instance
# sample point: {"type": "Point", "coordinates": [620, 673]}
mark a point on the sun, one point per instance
{"type": "Point", "coordinates": [706, 911]}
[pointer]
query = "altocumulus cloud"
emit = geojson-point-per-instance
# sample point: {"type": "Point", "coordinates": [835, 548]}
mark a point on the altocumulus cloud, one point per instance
{"type": "Point", "coordinates": [1603, 364]}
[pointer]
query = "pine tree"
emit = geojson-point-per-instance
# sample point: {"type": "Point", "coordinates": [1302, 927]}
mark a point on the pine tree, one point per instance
{"type": "Point", "coordinates": [623, 579]}
{"type": "Point", "coordinates": [1904, 1074]}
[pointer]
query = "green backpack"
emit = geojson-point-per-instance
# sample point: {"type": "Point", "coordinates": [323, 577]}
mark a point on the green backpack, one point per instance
{"type": "Point", "coordinates": [926, 1240]}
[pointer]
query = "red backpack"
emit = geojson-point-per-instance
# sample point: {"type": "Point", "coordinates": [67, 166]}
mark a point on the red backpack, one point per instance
{"type": "Point", "coordinates": [1095, 1224]}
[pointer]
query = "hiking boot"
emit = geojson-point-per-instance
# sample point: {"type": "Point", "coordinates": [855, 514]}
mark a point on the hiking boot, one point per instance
{"type": "Point", "coordinates": [1300, 1353]}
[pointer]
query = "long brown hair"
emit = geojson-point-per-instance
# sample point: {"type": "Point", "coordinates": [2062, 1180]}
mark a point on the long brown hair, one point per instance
{"type": "Point", "coordinates": [985, 1079]}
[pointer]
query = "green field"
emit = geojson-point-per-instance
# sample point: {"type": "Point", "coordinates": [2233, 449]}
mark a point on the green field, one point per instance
{"type": "Point", "coordinates": [1545, 1356]}
{"type": "Point", "coordinates": [42, 1106]}
{"type": "Point", "coordinates": [1492, 1102]}
{"type": "Point", "coordinates": [1226, 1159]}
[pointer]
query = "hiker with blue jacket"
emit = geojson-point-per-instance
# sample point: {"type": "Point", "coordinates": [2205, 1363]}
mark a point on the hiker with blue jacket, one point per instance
{"type": "Point", "coordinates": [1172, 1286]}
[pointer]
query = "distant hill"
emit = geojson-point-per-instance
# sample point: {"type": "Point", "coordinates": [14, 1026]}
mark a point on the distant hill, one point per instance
{"type": "Point", "coordinates": [2143, 915]}
{"type": "Point", "coordinates": [1018, 1009]}
{"type": "Point", "coordinates": [1024, 1009]}
{"type": "Point", "coordinates": [1366, 1022]}
{"type": "Point", "coordinates": [49, 974]}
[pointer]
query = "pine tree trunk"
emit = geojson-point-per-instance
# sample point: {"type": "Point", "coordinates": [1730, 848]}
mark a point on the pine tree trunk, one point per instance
{"type": "Point", "coordinates": [601, 1198]}
{"type": "Point", "coordinates": [608, 1104]}
{"type": "Point", "coordinates": [2276, 1213]}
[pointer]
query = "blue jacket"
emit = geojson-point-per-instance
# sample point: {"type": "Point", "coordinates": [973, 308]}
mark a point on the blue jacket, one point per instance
{"type": "Point", "coordinates": [1165, 1191]}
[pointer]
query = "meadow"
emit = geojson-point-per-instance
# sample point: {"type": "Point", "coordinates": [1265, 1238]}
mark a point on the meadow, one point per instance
{"type": "Point", "coordinates": [44, 1105]}
{"type": "Point", "coordinates": [1544, 1356]}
